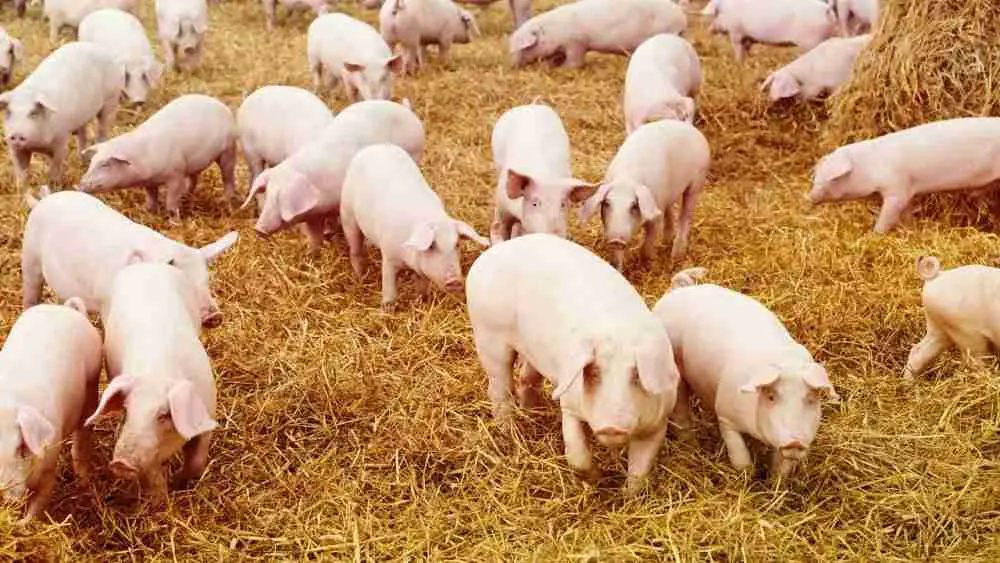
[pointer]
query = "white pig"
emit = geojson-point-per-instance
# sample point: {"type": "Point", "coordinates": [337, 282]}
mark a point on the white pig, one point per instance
{"type": "Point", "coordinates": [820, 71]}
{"type": "Point", "coordinates": [520, 10]}
{"type": "Point", "coordinates": [960, 306]}
{"type": "Point", "coordinates": [305, 187]}
{"type": "Point", "coordinates": [76, 244]}
{"type": "Point", "coordinates": [418, 23]}
{"type": "Point", "coordinates": [69, 13]}
{"type": "Point", "coordinates": [20, 6]}
{"type": "Point", "coordinates": [804, 23]}
{"type": "Point", "coordinates": [182, 25]}
{"type": "Point", "coordinates": [49, 106]}
{"type": "Point", "coordinates": [659, 165]}
{"type": "Point", "coordinates": [856, 16]}
{"type": "Point", "coordinates": [159, 374]}
{"type": "Point", "coordinates": [565, 34]}
{"type": "Point", "coordinates": [743, 365]}
{"type": "Point", "coordinates": [574, 320]}
{"type": "Point", "coordinates": [49, 368]}
{"type": "Point", "coordinates": [169, 149]}
{"type": "Point", "coordinates": [946, 155]}
{"type": "Point", "coordinates": [352, 53]}
{"type": "Point", "coordinates": [531, 153]}
{"type": "Point", "coordinates": [386, 201]}
{"type": "Point", "coordinates": [275, 121]}
{"type": "Point", "coordinates": [11, 52]}
{"type": "Point", "coordinates": [319, 6]}
{"type": "Point", "coordinates": [663, 76]}
{"type": "Point", "coordinates": [123, 36]}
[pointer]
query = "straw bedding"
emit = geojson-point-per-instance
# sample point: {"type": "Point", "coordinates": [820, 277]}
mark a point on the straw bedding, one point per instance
{"type": "Point", "coordinates": [349, 433]}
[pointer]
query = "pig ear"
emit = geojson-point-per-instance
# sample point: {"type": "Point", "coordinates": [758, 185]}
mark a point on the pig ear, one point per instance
{"type": "Point", "coordinates": [353, 67]}
{"type": "Point", "coordinates": [36, 431]}
{"type": "Point", "coordinates": [188, 412]}
{"type": "Point", "coordinates": [816, 378]}
{"type": "Point", "coordinates": [422, 237]}
{"type": "Point", "coordinates": [91, 151]}
{"type": "Point", "coordinates": [466, 230]}
{"type": "Point", "coordinates": [833, 166]}
{"type": "Point", "coordinates": [590, 206]}
{"type": "Point", "coordinates": [525, 40]}
{"type": "Point", "coordinates": [767, 82]}
{"type": "Point", "coordinates": [41, 108]}
{"type": "Point", "coordinates": [395, 63]}
{"type": "Point", "coordinates": [470, 22]}
{"type": "Point", "coordinates": [113, 397]}
{"type": "Point", "coordinates": [212, 251]}
{"type": "Point", "coordinates": [647, 205]}
{"type": "Point", "coordinates": [580, 190]}
{"type": "Point", "coordinates": [762, 379]}
{"type": "Point", "coordinates": [656, 366]}
{"type": "Point", "coordinates": [784, 86]}
{"type": "Point", "coordinates": [299, 197]}
{"type": "Point", "coordinates": [259, 185]}
{"type": "Point", "coordinates": [576, 366]}
{"type": "Point", "coordinates": [517, 183]}
{"type": "Point", "coordinates": [688, 109]}
{"type": "Point", "coordinates": [138, 256]}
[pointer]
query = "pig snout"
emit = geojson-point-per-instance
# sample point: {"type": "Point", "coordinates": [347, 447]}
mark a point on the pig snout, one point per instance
{"type": "Point", "coordinates": [123, 469]}
{"type": "Point", "coordinates": [17, 140]}
{"type": "Point", "coordinates": [617, 243]}
{"type": "Point", "coordinates": [454, 285]}
{"type": "Point", "coordinates": [211, 319]}
{"type": "Point", "coordinates": [611, 436]}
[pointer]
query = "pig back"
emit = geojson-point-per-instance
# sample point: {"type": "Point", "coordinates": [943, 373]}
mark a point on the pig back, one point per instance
{"type": "Point", "coordinates": [58, 77]}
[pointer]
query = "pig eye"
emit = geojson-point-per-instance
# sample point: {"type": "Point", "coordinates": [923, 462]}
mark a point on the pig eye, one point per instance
{"type": "Point", "coordinates": [769, 395]}
{"type": "Point", "coordinates": [163, 416]}
{"type": "Point", "coordinates": [635, 207]}
{"type": "Point", "coordinates": [590, 375]}
{"type": "Point", "coordinates": [535, 203]}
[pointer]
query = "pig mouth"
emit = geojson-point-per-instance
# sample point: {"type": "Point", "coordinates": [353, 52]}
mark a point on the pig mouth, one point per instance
{"type": "Point", "coordinates": [454, 286]}
{"type": "Point", "coordinates": [262, 233]}
{"type": "Point", "coordinates": [794, 453]}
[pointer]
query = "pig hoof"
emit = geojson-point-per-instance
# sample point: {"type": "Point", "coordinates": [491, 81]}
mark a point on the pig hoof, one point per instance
{"type": "Point", "coordinates": [635, 485]}
{"type": "Point", "coordinates": [388, 306]}
{"type": "Point", "coordinates": [588, 475]}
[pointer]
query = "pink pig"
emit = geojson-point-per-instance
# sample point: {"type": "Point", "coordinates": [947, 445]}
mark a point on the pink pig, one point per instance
{"type": "Point", "coordinates": [663, 76]}
{"type": "Point", "coordinates": [946, 155]}
{"type": "Point", "coordinates": [169, 149]}
{"type": "Point", "coordinates": [804, 23]}
{"type": "Point", "coordinates": [418, 23]}
{"type": "Point", "coordinates": [818, 72]}
{"type": "Point", "coordinates": [386, 201]}
{"type": "Point", "coordinates": [159, 373]}
{"type": "Point", "coordinates": [319, 6]}
{"type": "Point", "coordinates": [49, 368]}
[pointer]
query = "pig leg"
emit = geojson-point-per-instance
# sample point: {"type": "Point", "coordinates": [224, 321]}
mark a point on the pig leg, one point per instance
{"type": "Point", "coordinates": [925, 351]}
{"type": "Point", "coordinates": [390, 270]}
{"type": "Point", "coordinates": [227, 166]}
{"type": "Point", "coordinates": [356, 244]}
{"type": "Point", "coordinates": [500, 229]}
{"type": "Point", "coordinates": [423, 286]}
{"type": "Point", "coordinates": [688, 203]}
{"type": "Point", "coordinates": [652, 229]}
{"type": "Point", "coordinates": [170, 54]}
{"type": "Point", "coordinates": [176, 187]}
{"type": "Point", "coordinates": [43, 490]}
{"type": "Point", "coordinates": [498, 361]}
{"type": "Point", "coordinates": [528, 385]}
{"type": "Point", "coordinates": [22, 163]}
{"type": "Point", "coordinates": [59, 149]}
{"type": "Point", "coordinates": [152, 198]}
{"type": "Point", "coordinates": [154, 482]}
{"type": "Point", "coordinates": [106, 118]}
{"type": "Point", "coordinates": [682, 416]}
{"type": "Point", "coordinates": [575, 53]}
{"type": "Point", "coordinates": [195, 460]}
{"type": "Point", "coordinates": [31, 279]}
{"type": "Point", "coordinates": [269, 14]}
{"type": "Point", "coordinates": [972, 344]}
{"type": "Point", "coordinates": [578, 454]}
{"type": "Point", "coordinates": [642, 454]}
{"type": "Point", "coordinates": [739, 47]}
{"type": "Point", "coordinates": [411, 58]}
{"type": "Point", "coordinates": [83, 438]}
{"type": "Point", "coordinates": [736, 447]}
{"type": "Point", "coordinates": [317, 76]}
{"type": "Point", "coordinates": [313, 229]}
{"type": "Point", "coordinates": [81, 140]}
{"type": "Point", "coordinates": [443, 49]}
{"type": "Point", "coordinates": [888, 217]}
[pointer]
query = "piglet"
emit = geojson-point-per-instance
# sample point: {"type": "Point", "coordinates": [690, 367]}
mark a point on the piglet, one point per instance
{"type": "Point", "coordinates": [961, 310]}
{"type": "Point", "coordinates": [353, 53]}
{"type": "Point", "coordinates": [49, 368]}
{"type": "Point", "coordinates": [182, 25]}
{"type": "Point", "coordinates": [663, 76]}
{"type": "Point", "coordinates": [50, 105]}
{"type": "Point", "coordinates": [169, 149]}
{"type": "Point", "coordinates": [531, 153]}
{"type": "Point", "coordinates": [305, 187]}
{"type": "Point", "coordinates": [275, 121]}
{"type": "Point", "coordinates": [659, 165]}
{"type": "Point", "coordinates": [803, 23]}
{"type": "Point", "coordinates": [820, 71]}
{"type": "Point", "coordinates": [76, 244]}
{"type": "Point", "coordinates": [319, 6]}
{"type": "Point", "coordinates": [418, 23]}
{"type": "Point", "coordinates": [386, 201]}
{"type": "Point", "coordinates": [744, 366]}
{"type": "Point", "coordinates": [11, 53]}
{"type": "Point", "coordinates": [123, 36]}
{"type": "Point", "coordinates": [565, 34]}
{"type": "Point", "coordinates": [946, 155]}
{"type": "Point", "coordinates": [159, 374]}
{"type": "Point", "coordinates": [69, 13]}
{"type": "Point", "coordinates": [856, 16]}
{"type": "Point", "coordinates": [574, 320]}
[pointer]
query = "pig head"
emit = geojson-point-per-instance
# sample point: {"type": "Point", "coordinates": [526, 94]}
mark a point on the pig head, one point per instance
{"type": "Point", "coordinates": [836, 178]}
{"type": "Point", "coordinates": [25, 436]}
{"type": "Point", "coordinates": [28, 119]}
{"type": "Point", "coordinates": [289, 196]}
{"type": "Point", "coordinates": [141, 76]}
{"type": "Point", "coordinates": [433, 251]}
{"type": "Point", "coordinates": [528, 44]}
{"type": "Point", "coordinates": [373, 80]}
{"type": "Point", "coordinates": [625, 206]}
{"type": "Point", "coordinates": [546, 202]}
{"type": "Point", "coordinates": [113, 164]}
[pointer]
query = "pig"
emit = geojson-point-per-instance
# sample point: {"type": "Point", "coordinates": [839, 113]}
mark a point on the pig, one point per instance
{"type": "Point", "coordinates": [531, 153]}
{"type": "Point", "coordinates": [49, 106]}
{"type": "Point", "coordinates": [386, 201]}
{"type": "Point", "coordinates": [69, 13]}
{"type": "Point", "coordinates": [319, 6]}
{"type": "Point", "coordinates": [803, 23]}
{"type": "Point", "coordinates": [20, 7]}
{"type": "Point", "coordinates": [352, 53]}
{"type": "Point", "coordinates": [819, 72]}
{"type": "Point", "coordinates": [169, 149]}
{"type": "Point", "coordinates": [159, 374]}
{"type": "Point", "coordinates": [123, 36]}
{"type": "Point", "coordinates": [659, 165]}
{"type": "Point", "coordinates": [739, 360]}
{"type": "Point", "coordinates": [574, 320]}
{"type": "Point", "coordinates": [958, 304]}
{"type": "Point", "coordinates": [182, 25]}
{"type": "Point", "coordinates": [11, 53]}
{"type": "Point", "coordinates": [856, 16]}
{"type": "Point", "coordinates": [663, 76]}
{"type": "Point", "coordinates": [418, 23]}
{"type": "Point", "coordinates": [305, 187]}
{"type": "Point", "coordinates": [49, 368]}
{"type": "Point", "coordinates": [275, 121]}
{"type": "Point", "coordinates": [946, 155]}
{"type": "Point", "coordinates": [520, 10]}
{"type": "Point", "coordinates": [565, 34]}
{"type": "Point", "coordinates": [76, 244]}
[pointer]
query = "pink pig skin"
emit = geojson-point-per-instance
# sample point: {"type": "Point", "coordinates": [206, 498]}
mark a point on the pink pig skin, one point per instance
{"type": "Point", "coordinates": [804, 23]}
{"type": "Point", "coordinates": [182, 25]}
{"type": "Point", "coordinates": [387, 201]}
{"type": "Point", "coordinates": [49, 368]}
{"type": "Point", "coordinates": [418, 23]}
{"type": "Point", "coordinates": [159, 374]}
{"type": "Point", "coordinates": [856, 16]}
{"type": "Point", "coordinates": [946, 155]}
{"type": "Point", "coordinates": [11, 54]}
{"type": "Point", "coordinates": [319, 6]}
{"type": "Point", "coordinates": [818, 72]}
{"type": "Point", "coordinates": [123, 36]}
{"type": "Point", "coordinates": [169, 149]}
{"type": "Point", "coordinates": [305, 188]}
{"type": "Point", "coordinates": [520, 10]}
{"type": "Point", "coordinates": [663, 76]}
{"type": "Point", "coordinates": [69, 13]}
{"type": "Point", "coordinates": [349, 52]}
{"type": "Point", "coordinates": [76, 244]}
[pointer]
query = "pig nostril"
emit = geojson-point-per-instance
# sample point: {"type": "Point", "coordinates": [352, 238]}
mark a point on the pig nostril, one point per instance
{"type": "Point", "coordinates": [123, 469]}
{"type": "Point", "coordinates": [611, 431]}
